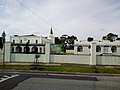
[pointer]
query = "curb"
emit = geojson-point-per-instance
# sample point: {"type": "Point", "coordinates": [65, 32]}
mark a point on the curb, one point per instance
{"type": "Point", "coordinates": [57, 73]}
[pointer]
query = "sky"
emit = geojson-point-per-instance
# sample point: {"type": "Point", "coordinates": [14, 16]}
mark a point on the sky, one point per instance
{"type": "Point", "coordinates": [81, 18]}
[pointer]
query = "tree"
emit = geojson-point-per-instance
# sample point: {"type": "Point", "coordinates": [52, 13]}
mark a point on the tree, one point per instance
{"type": "Point", "coordinates": [68, 41]}
{"type": "Point", "coordinates": [57, 40]}
{"type": "Point", "coordinates": [63, 38]}
{"type": "Point", "coordinates": [89, 39]}
{"type": "Point", "coordinates": [110, 37]}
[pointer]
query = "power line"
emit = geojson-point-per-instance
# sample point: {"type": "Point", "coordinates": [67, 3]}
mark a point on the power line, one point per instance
{"type": "Point", "coordinates": [33, 12]}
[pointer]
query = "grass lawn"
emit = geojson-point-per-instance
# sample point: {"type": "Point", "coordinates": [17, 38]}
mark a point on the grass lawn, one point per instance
{"type": "Point", "coordinates": [64, 68]}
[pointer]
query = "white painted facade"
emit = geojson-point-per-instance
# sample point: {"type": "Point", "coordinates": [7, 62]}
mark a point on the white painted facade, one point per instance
{"type": "Point", "coordinates": [32, 39]}
{"type": "Point", "coordinates": [90, 53]}
{"type": "Point", "coordinates": [91, 58]}
{"type": "Point", "coordinates": [104, 47]}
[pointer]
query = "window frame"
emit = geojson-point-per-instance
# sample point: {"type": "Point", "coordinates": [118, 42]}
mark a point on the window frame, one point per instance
{"type": "Point", "coordinates": [80, 48]}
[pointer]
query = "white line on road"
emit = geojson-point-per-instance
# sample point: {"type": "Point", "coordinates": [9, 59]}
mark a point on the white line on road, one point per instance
{"type": "Point", "coordinates": [8, 77]}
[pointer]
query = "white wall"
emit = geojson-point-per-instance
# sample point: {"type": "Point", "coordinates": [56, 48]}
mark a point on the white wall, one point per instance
{"type": "Point", "coordinates": [76, 59]}
{"type": "Point", "coordinates": [26, 58]}
{"type": "Point", "coordinates": [108, 60]}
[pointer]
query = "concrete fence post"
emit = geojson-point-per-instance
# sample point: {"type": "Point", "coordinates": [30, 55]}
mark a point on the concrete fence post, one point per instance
{"type": "Point", "coordinates": [93, 54]}
{"type": "Point", "coordinates": [47, 52]}
{"type": "Point", "coordinates": [7, 52]}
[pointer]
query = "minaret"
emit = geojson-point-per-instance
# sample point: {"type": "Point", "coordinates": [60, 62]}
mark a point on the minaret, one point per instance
{"type": "Point", "coordinates": [51, 31]}
{"type": "Point", "coordinates": [51, 36]}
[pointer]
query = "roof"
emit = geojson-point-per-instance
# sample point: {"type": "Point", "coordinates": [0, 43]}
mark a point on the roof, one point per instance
{"type": "Point", "coordinates": [25, 35]}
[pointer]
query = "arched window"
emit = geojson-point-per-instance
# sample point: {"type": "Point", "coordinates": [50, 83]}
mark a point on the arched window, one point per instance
{"type": "Point", "coordinates": [34, 49]}
{"type": "Point", "coordinates": [40, 50]}
{"type": "Point", "coordinates": [18, 49]}
{"type": "Point", "coordinates": [80, 48]}
{"type": "Point", "coordinates": [26, 49]}
{"type": "Point", "coordinates": [36, 41]}
{"type": "Point", "coordinates": [13, 41]}
{"type": "Point", "coordinates": [98, 49]}
{"type": "Point", "coordinates": [114, 49]}
{"type": "Point", "coordinates": [20, 41]}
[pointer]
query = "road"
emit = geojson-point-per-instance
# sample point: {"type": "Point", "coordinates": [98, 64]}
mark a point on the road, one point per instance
{"type": "Point", "coordinates": [26, 81]}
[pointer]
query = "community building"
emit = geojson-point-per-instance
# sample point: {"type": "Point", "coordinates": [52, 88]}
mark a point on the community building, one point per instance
{"type": "Point", "coordinates": [30, 43]}
{"type": "Point", "coordinates": [25, 48]}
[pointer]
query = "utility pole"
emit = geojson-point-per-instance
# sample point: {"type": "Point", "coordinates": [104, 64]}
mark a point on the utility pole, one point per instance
{"type": "Point", "coordinates": [3, 37]}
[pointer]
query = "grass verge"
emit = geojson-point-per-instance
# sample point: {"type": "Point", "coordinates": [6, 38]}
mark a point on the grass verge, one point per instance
{"type": "Point", "coordinates": [63, 68]}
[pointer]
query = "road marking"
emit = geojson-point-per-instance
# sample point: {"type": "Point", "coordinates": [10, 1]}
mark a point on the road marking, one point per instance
{"type": "Point", "coordinates": [5, 77]}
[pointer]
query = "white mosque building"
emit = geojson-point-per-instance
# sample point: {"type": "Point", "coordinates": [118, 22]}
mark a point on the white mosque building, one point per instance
{"type": "Point", "coordinates": [25, 48]}
{"type": "Point", "coordinates": [36, 44]}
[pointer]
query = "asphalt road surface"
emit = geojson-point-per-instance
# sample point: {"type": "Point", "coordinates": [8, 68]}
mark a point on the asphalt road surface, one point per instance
{"type": "Point", "coordinates": [18, 81]}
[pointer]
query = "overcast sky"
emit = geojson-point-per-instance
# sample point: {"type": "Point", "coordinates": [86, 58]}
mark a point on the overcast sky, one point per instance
{"type": "Point", "coordinates": [82, 18]}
